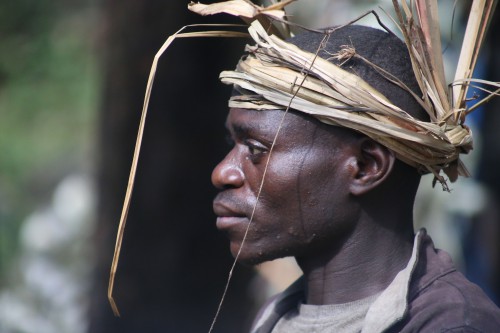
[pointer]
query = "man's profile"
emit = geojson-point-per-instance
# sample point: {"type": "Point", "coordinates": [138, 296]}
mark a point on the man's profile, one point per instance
{"type": "Point", "coordinates": [340, 202]}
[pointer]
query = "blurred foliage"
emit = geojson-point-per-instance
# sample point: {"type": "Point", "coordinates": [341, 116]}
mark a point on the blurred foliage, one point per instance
{"type": "Point", "coordinates": [48, 96]}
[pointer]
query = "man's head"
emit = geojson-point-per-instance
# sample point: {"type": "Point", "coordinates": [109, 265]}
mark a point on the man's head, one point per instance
{"type": "Point", "coordinates": [320, 178]}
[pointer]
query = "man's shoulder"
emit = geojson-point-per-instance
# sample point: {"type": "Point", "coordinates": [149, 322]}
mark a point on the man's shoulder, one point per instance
{"type": "Point", "coordinates": [453, 303]}
{"type": "Point", "coordinates": [441, 299]}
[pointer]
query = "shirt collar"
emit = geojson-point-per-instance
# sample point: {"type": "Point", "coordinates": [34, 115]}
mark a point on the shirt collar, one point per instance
{"type": "Point", "coordinates": [392, 304]}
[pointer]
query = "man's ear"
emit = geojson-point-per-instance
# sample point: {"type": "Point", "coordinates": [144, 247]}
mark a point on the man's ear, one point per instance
{"type": "Point", "coordinates": [374, 164]}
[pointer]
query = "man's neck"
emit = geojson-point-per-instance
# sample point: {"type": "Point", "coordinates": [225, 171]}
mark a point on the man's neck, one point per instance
{"type": "Point", "coordinates": [365, 265]}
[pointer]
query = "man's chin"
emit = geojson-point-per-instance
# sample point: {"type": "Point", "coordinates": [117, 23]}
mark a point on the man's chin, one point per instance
{"type": "Point", "coordinates": [252, 258]}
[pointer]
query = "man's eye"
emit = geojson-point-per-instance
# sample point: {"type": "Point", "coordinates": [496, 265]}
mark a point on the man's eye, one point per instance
{"type": "Point", "coordinates": [255, 148]}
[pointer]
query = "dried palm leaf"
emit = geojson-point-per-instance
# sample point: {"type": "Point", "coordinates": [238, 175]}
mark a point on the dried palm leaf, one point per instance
{"type": "Point", "coordinates": [422, 38]}
{"type": "Point", "coordinates": [249, 12]}
{"type": "Point", "coordinates": [137, 150]}
{"type": "Point", "coordinates": [479, 19]}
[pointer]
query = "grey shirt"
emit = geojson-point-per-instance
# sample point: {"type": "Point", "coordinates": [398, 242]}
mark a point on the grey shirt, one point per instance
{"type": "Point", "coordinates": [340, 318]}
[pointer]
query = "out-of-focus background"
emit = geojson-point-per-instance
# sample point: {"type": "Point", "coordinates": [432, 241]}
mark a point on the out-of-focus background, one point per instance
{"type": "Point", "coordinates": [72, 80]}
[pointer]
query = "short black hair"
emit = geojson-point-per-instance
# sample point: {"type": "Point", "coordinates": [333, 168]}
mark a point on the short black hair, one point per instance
{"type": "Point", "coordinates": [379, 47]}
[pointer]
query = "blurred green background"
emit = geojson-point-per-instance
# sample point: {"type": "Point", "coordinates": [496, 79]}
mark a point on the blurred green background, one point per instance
{"type": "Point", "coordinates": [48, 96]}
{"type": "Point", "coordinates": [49, 90]}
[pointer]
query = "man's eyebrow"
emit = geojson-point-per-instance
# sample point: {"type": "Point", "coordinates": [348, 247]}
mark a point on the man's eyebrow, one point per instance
{"type": "Point", "coordinates": [239, 129]}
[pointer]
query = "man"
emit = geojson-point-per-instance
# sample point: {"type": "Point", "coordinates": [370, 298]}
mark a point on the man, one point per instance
{"type": "Point", "coordinates": [338, 200]}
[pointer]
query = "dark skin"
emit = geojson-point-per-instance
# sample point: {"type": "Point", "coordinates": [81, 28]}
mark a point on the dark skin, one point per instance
{"type": "Point", "coordinates": [337, 201]}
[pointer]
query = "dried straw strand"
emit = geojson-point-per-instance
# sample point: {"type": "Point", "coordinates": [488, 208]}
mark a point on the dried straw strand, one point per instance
{"type": "Point", "coordinates": [137, 149]}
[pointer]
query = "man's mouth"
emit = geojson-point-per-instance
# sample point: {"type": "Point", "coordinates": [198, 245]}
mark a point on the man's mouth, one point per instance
{"type": "Point", "coordinates": [228, 222]}
{"type": "Point", "coordinates": [228, 217]}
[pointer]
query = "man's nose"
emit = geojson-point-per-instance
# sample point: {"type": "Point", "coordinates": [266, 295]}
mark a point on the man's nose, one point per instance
{"type": "Point", "coordinates": [228, 174]}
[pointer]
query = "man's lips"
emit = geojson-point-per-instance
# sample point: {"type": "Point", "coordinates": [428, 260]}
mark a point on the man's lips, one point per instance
{"type": "Point", "coordinates": [229, 222]}
{"type": "Point", "coordinates": [228, 217]}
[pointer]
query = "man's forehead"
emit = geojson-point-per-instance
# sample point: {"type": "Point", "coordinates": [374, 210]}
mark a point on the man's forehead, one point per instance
{"type": "Point", "coordinates": [249, 118]}
{"type": "Point", "coordinates": [266, 120]}
{"type": "Point", "coordinates": [292, 128]}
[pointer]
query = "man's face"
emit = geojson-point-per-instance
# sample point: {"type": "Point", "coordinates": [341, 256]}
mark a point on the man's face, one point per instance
{"type": "Point", "coordinates": [302, 207]}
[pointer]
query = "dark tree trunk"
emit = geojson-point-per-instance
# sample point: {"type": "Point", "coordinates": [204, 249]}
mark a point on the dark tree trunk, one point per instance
{"type": "Point", "coordinates": [174, 263]}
